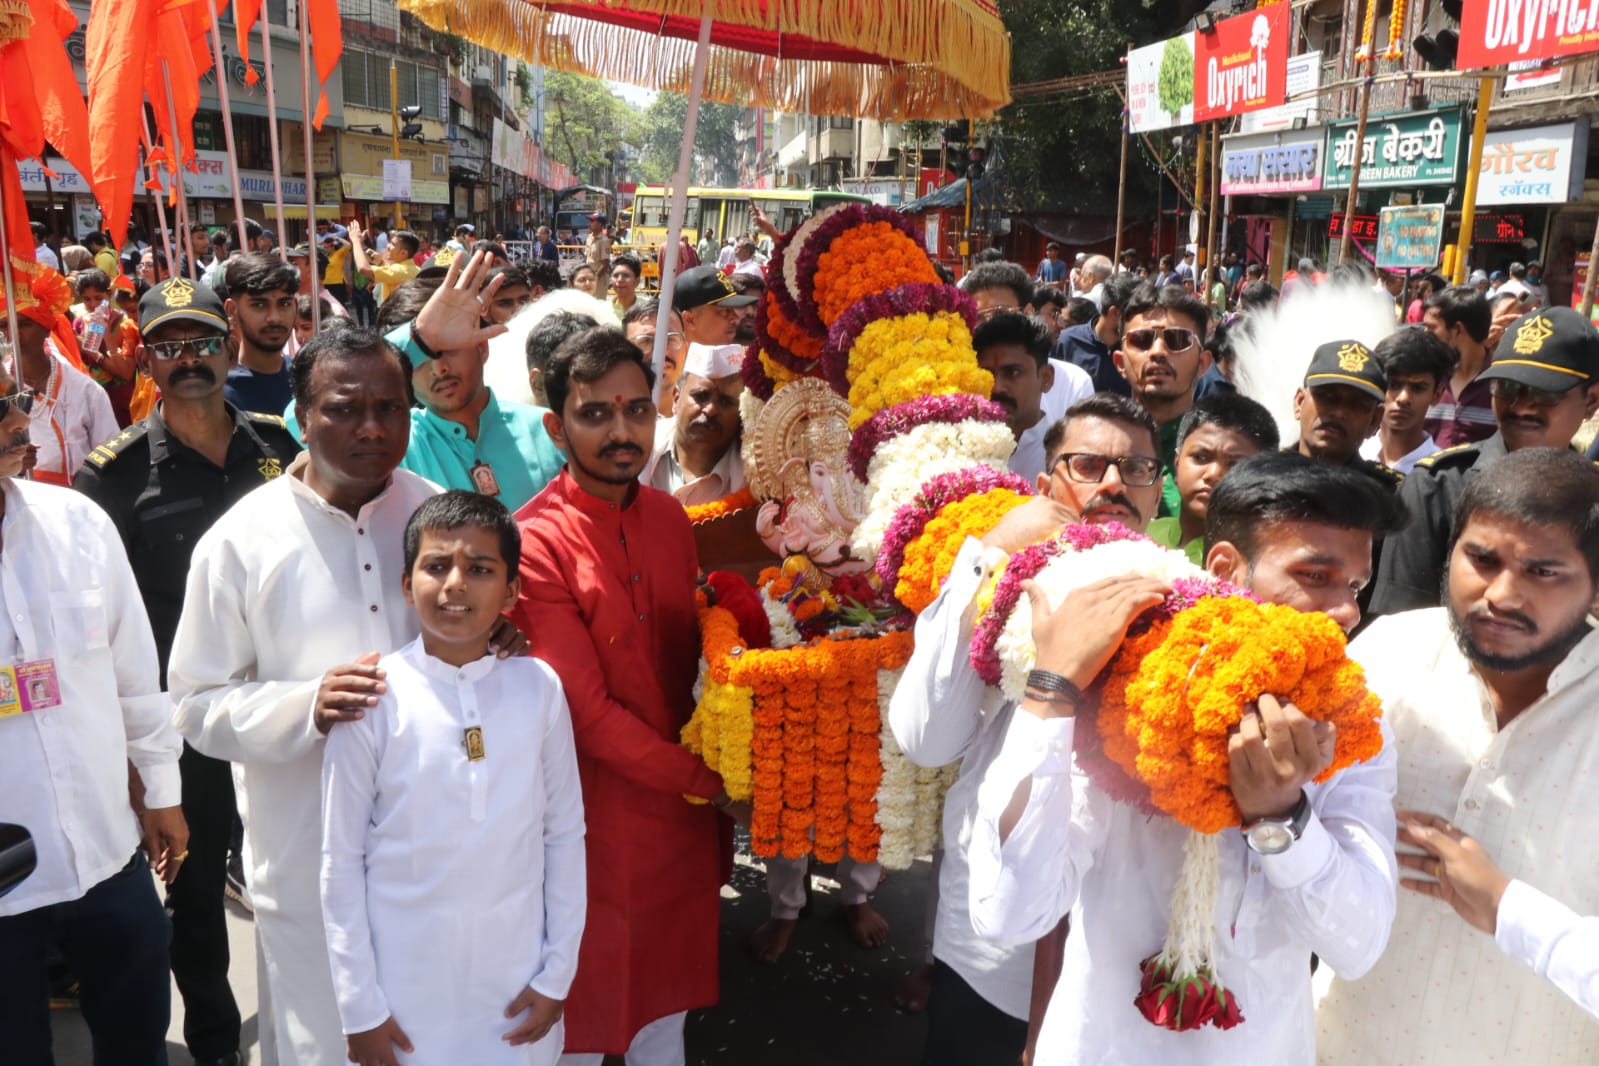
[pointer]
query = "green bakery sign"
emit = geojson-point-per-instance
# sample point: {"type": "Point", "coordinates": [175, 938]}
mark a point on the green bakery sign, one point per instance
{"type": "Point", "coordinates": [1401, 151]}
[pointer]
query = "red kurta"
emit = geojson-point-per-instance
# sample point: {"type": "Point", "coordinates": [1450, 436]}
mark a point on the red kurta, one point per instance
{"type": "Point", "coordinates": [608, 601]}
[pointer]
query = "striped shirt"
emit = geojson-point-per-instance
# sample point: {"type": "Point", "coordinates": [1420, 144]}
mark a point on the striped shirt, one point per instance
{"type": "Point", "coordinates": [1464, 419]}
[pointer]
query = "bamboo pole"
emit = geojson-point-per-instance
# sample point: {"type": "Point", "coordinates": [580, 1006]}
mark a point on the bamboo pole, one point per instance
{"type": "Point", "coordinates": [272, 136]}
{"type": "Point", "coordinates": [1211, 252]}
{"type": "Point", "coordinates": [1121, 181]}
{"type": "Point", "coordinates": [1346, 246]}
{"type": "Point", "coordinates": [227, 129]}
{"type": "Point", "coordinates": [175, 168]}
{"type": "Point", "coordinates": [306, 74]}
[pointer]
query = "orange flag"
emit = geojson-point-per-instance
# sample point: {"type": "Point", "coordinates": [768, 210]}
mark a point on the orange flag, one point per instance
{"type": "Point", "coordinates": [245, 14]}
{"type": "Point", "coordinates": [39, 104]}
{"type": "Point", "coordinates": [323, 16]}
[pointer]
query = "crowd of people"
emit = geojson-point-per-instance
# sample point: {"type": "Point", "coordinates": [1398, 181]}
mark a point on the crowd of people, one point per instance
{"type": "Point", "coordinates": [431, 642]}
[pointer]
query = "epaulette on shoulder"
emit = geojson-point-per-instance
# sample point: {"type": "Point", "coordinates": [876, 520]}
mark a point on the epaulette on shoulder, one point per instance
{"type": "Point", "coordinates": [1448, 456]}
{"type": "Point", "coordinates": [266, 420]}
{"type": "Point", "coordinates": [102, 455]}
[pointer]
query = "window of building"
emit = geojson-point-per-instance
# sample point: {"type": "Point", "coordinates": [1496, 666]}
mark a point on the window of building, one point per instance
{"type": "Point", "coordinates": [366, 83]}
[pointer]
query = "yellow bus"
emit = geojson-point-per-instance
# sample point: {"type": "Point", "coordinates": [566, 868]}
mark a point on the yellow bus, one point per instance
{"type": "Point", "coordinates": [727, 211]}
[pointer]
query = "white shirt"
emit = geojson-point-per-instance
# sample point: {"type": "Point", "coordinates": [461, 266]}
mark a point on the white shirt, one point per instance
{"type": "Point", "coordinates": [662, 471]}
{"type": "Point", "coordinates": [1525, 792]}
{"type": "Point", "coordinates": [283, 587]}
{"type": "Point", "coordinates": [45, 257]}
{"type": "Point", "coordinates": [67, 593]}
{"type": "Point", "coordinates": [450, 885]}
{"type": "Point", "coordinates": [69, 420]}
{"type": "Point", "coordinates": [1074, 847]}
{"type": "Point", "coordinates": [1372, 449]}
{"type": "Point", "coordinates": [940, 712]}
{"type": "Point", "coordinates": [1559, 945]}
{"type": "Point", "coordinates": [751, 265]}
{"type": "Point", "coordinates": [1028, 459]}
{"type": "Point", "coordinates": [1072, 383]}
{"type": "Point", "coordinates": [724, 258]}
{"type": "Point", "coordinates": [1097, 294]}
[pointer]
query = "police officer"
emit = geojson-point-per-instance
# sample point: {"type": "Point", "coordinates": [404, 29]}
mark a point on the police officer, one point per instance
{"type": "Point", "coordinates": [1545, 382]}
{"type": "Point", "coordinates": [1339, 406]}
{"type": "Point", "coordinates": [164, 481]}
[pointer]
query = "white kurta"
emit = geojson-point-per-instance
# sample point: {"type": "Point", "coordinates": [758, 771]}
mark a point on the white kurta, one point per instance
{"type": "Point", "coordinates": [69, 421]}
{"type": "Point", "coordinates": [283, 587]}
{"type": "Point", "coordinates": [449, 885]}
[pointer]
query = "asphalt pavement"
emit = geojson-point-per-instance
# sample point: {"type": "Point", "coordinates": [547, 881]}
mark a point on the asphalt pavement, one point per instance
{"type": "Point", "coordinates": [828, 1002]}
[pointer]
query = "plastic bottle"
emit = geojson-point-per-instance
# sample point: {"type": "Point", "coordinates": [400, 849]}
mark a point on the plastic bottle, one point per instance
{"type": "Point", "coordinates": [94, 333]}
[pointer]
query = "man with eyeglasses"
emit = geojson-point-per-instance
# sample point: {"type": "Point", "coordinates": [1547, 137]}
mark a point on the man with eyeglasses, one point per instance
{"type": "Point", "coordinates": [1162, 355]}
{"type": "Point", "coordinates": [708, 304]}
{"type": "Point", "coordinates": [1545, 383]}
{"type": "Point", "coordinates": [639, 327]}
{"type": "Point", "coordinates": [164, 481]}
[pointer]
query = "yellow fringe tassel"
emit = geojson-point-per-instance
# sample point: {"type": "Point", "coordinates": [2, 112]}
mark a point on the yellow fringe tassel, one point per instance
{"type": "Point", "coordinates": [937, 58]}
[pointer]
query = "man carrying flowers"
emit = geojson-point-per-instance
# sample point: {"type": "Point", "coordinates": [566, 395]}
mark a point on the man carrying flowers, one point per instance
{"type": "Point", "coordinates": [1312, 870]}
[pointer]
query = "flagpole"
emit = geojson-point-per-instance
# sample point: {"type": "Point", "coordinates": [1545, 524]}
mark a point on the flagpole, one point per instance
{"type": "Point", "coordinates": [11, 297]}
{"type": "Point", "coordinates": [272, 133]}
{"type": "Point", "coordinates": [160, 201]}
{"type": "Point", "coordinates": [310, 169]}
{"type": "Point", "coordinates": [175, 168]}
{"type": "Point", "coordinates": [227, 130]}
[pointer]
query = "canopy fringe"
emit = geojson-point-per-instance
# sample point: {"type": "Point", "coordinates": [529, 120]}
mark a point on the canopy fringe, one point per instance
{"type": "Point", "coordinates": [950, 58]}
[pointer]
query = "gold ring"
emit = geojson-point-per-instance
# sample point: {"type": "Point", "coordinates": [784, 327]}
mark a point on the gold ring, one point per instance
{"type": "Point", "coordinates": [1437, 867]}
{"type": "Point", "coordinates": [180, 856]}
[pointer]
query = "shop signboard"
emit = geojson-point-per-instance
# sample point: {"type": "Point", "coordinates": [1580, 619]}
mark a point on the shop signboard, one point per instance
{"type": "Point", "coordinates": [63, 177]}
{"type": "Point", "coordinates": [1542, 165]}
{"type": "Point", "coordinates": [258, 185]}
{"type": "Point", "coordinates": [1409, 238]}
{"type": "Point", "coordinates": [1241, 64]}
{"type": "Point", "coordinates": [1403, 151]}
{"type": "Point", "coordinates": [1505, 31]}
{"type": "Point", "coordinates": [397, 179]}
{"type": "Point", "coordinates": [370, 189]}
{"type": "Point", "coordinates": [1361, 227]}
{"type": "Point", "coordinates": [1304, 76]}
{"type": "Point", "coordinates": [1266, 163]}
{"type": "Point", "coordinates": [1160, 85]}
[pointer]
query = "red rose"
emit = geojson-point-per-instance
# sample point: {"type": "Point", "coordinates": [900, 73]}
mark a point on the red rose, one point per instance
{"type": "Point", "coordinates": [1198, 1003]}
{"type": "Point", "coordinates": [1230, 1014]}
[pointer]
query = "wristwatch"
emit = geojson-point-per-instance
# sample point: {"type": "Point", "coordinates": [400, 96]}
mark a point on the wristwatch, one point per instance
{"type": "Point", "coordinates": [1273, 836]}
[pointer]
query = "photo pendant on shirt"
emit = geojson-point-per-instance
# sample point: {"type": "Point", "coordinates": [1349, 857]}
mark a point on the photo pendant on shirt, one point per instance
{"type": "Point", "coordinates": [474, 743]}
{"type": "Point", "coordinates": [483, 479]}
{"type": "Point", "coordinates": [27, 687]}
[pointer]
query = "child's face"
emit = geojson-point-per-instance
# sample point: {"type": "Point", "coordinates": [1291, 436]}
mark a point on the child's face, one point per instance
{"type": "Point", "coordinates": [303, 329]}
{"type": "Point", "coordinates": [459, 586]}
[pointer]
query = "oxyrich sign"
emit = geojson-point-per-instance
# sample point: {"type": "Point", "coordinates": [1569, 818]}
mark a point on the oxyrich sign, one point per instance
{"type": "Point", "coordinates": [1265, 163]}
{"type": "Point", "coordinates": [1408, 238]}
{"type": "Point", "coordinates": [1242, 64]}
{"type": "Point", "coordinates": [1504, 31]}
{"type": "Point", "coordinates": [1401, 151]}
{"type": "Point", "coordinates": [1542, 165]}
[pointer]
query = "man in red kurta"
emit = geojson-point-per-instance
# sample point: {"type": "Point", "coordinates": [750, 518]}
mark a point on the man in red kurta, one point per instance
{"type": "Point", "coordinates": [608, 572]}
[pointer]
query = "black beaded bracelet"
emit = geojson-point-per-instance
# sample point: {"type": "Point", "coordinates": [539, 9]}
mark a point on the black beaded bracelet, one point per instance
{"type": "Point", "coordinates": [1044, 681]}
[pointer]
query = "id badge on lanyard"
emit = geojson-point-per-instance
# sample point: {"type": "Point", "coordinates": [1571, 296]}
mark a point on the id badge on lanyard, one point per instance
{"type": "Point", "coordinates": [28, 687]}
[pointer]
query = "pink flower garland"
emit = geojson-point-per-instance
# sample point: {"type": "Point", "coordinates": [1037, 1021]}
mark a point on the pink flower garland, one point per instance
{"type": "Point", "coordinates": [918, 298]}
{"type": "Point", "coordinates": [1024, 566]}
{"type": "Point", "coordinates": [756, 379]}
{"type": "Point", "coordinates": [810, 253]}
{"type": "Point", "coordinates": [934, 495]}
{"type": "Point", "coordinates": [890, 422]}
{"type": "Point", "coordinates": [777, 282]}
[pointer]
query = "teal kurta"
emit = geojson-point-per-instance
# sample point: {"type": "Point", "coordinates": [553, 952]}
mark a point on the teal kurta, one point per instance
{"type": "Point", "coordinates": [511, 439]}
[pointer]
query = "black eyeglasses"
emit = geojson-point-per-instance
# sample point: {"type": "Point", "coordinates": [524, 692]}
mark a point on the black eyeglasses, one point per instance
{"type": "Point", "coordinates": [1177, 338]}
{"type": "Point", "coordinates": [22, 401]}
{"type": "Point", "coordinates": [167, 351]}
{"type": "Point", "coordinates": [1089, 467]}
{"type": "Point", "coordinates": [1511, 393]}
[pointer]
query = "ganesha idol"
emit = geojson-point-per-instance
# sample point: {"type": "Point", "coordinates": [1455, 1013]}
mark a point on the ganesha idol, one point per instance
{"type": "Point", "coordinates": [795, 454]}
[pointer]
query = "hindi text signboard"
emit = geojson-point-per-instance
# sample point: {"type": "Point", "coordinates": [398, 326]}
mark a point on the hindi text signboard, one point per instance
{"type": "Point", "coordinates": [1401, 151]}
{"type": "Point", "coordinates": [1542, 165]}
{"type": "Point", "coordinates": [1265, 163]}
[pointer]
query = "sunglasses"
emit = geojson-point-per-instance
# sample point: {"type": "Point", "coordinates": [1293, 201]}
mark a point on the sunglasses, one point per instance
{"type": "Point", "coordinates": [22, 401]}
{"type": "Point", "coordinates": [1177, 339]}
{"type": "Point", "coordinates": [167, 351]}
{"type": "Point", "coordinates": [1510, 393]}
{"type": "Point", "coordinates": [1090, 468]}
{"type": "Point", "coordinates": [989, 312]}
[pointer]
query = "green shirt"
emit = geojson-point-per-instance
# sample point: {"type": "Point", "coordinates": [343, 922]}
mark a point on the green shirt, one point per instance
{"type": "Point", "coordinates": [1171, 501]}
{"type": "Point", "coordinates": [1168, 532]}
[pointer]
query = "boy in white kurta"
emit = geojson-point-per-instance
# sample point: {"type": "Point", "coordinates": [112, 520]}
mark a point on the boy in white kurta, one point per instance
{"type": "Point", "coordinates": [453, 883]}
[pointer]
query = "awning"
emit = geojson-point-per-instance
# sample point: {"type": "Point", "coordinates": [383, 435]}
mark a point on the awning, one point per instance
{"type": "Point", "coordinates": [298, 211]}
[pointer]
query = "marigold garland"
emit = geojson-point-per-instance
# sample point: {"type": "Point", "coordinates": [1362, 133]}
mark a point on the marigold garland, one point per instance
{"type": "Point", "coordinates": [930, 556]}
{"type": "Point", "coordinates": [816, 238]}
{"type": "Point", "coordinates": [903, 359]}
{"type": "Point", "coordinates": [1174, 691]}
{"type": "Point", "coordinates": [861, 262]}
{"type": "Point", "coordinates": [792, 347]}
{"type": "Point", "coordinates": [934, 495]}
{"type": "Point", "coordinates": [919, 298]}
{"type": "Point", "coordinates": [906, 463]}
{"type": "Point", "coordinates": [891, 422]}
{"type": "Point", "coordinates": [730, 504]}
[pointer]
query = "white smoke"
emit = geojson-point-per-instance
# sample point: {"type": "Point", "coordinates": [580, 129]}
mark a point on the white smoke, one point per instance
{"type": "Point", "coordinates": [506, 372]}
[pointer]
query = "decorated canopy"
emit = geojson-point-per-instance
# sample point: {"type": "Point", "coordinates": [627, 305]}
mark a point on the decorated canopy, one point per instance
{"type": "Point", "coordinates": [887, 59]}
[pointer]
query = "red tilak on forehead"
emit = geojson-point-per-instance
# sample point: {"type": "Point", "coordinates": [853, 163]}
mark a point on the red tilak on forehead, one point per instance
{"type": "Point", "coordinates": [619, 399]}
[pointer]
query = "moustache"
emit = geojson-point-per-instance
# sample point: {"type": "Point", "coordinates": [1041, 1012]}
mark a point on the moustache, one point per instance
{"type": "Point", "coordinates": [1007, 402]}
{"type": "Point", "coordinates": [18, 442]}
{"type": "Point", "coordinates": [202, 372]}
{"type": "Point", "coordinates": [1323, 425]}
{"type": "Point", "coordinates": [1111, 499]}
{"type": "Point", "coordinates": [1495, 615]}
{"type": "Point", "coordinates": [620, 449]}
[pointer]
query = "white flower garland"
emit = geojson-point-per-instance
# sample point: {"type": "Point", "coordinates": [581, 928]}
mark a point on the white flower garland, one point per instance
{"type": "Point", "coordinates": [902, 465]}
{"type": "Point", "coordinates": [910, 799]}
{"type": "Point", "coordinates": [1074, 570]}
{"type": "Point", "coordinates": [785, 631]}
{"type": "Point", "coordinates": [1191, 930]}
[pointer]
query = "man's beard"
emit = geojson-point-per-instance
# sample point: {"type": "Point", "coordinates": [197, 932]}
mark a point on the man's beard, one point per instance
{"type": "Point", "coordinates": [1550, 653]}
{"type": "Point", "coordinates": [608, 479]}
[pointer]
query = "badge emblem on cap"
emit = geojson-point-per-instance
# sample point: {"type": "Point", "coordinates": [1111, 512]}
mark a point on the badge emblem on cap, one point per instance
{"type": "Point", "coordinates": [727, 283]}
{"type": "Point", "coordinates": [1353, 358]}
{"type": "Point", "coordinates": [1533, 333]}
{"type": "Point", "coordinates": [179, 293]}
